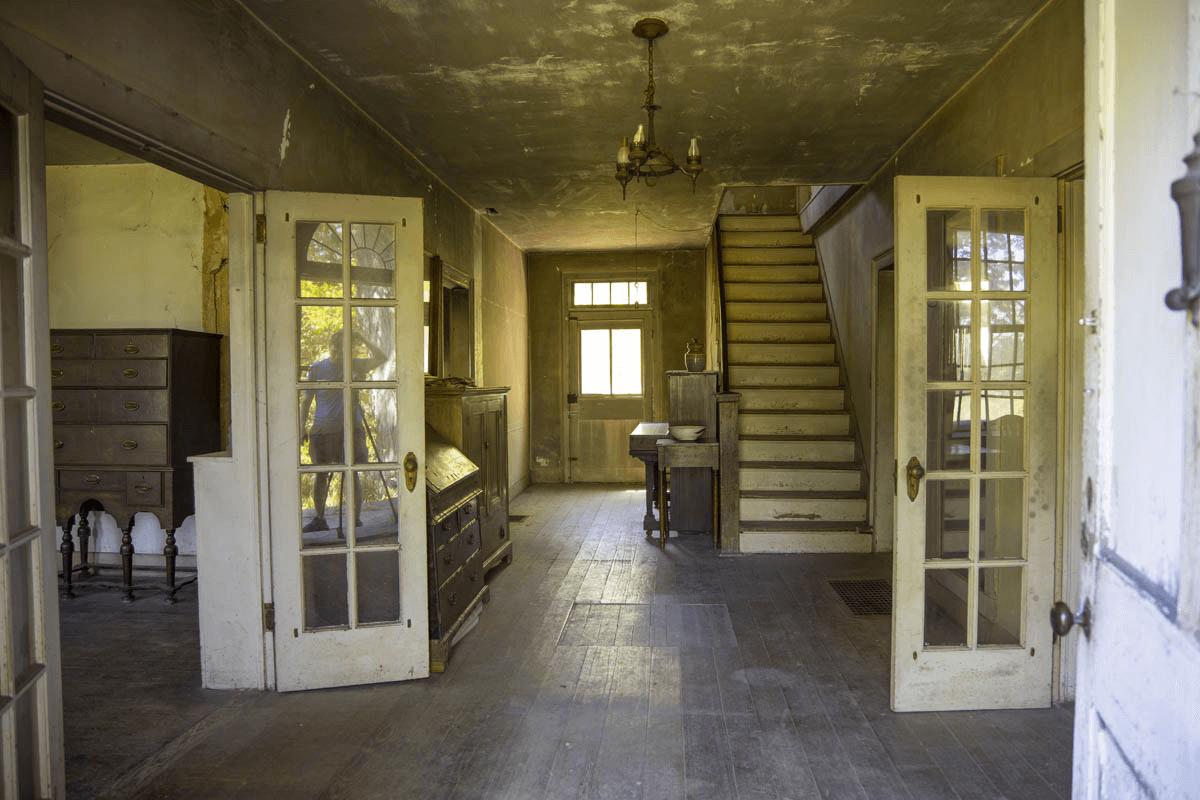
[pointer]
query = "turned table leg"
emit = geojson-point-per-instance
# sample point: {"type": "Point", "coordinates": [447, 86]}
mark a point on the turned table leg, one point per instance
{"type": "Point", "coordinates": [67, 548]}
{"type": "Point", "coordinates": [127, 558]}
{"type": "Point", "coordinates": [649, 522]}
{"type": "Point", "coordinates": [169, 553]}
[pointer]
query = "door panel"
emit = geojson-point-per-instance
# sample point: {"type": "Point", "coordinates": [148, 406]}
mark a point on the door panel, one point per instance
{"type": "Point", "coordinates": [976, 401]}
{"type": "Point", "coordinates": [346, 410]}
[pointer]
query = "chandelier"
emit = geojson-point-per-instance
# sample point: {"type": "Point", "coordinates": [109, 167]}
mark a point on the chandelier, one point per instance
{"type": "Point", "coordinates": [643, 158]}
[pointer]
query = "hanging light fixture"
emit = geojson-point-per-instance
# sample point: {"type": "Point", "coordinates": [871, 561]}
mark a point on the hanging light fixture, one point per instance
{"type": "Point", "coordinates": [643, 158]}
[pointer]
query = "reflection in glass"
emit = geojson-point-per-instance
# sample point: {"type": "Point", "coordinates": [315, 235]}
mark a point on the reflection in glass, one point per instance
{"type": "Point", "coordinates": [948, 249]}
{"type": "Point", "coordinates": [20, 595]}
{"type": "Point", "coordinates": [323, 521]}
{"type": "Point", "coordinates": [1001, 518]}
{"type": "Point", "coordinates": [948, 429]}
{"type": "Point", "coordinates": [325, 585]}
{"type": "Point", "coordinates": [595, 369]}
{"type": "Point", "coordinates": [627, 361]}
{"type": "Point", "coordinates": [375, 411]}
{"type": "Point", "coordinates": [946, 607]}
{"type": "Point", "coordinates": [1002, 422]}
{"type": "Point", "coordinates": [12, 320]}
{"type": "Point", "coordinates": [372, 260]}
{"type": "Point", "coordinates": [319, 259]}
{"type": "Point", "coordinates": [947, 518]}
{"type": "Point", "coordinates": [374, 343]}
{"type": "Point", "coordinates": [378, 586]}
{"type": "Point", "coordinates": [1004, 250]}
{"type": "Point", "coordinates": [1001, 592]}
{"type": "Point", "coordinates": [1002, 338]}
{"type": "Point", "coordinates": [29, 770]}
{"type": "Point", "coordinates": [378, 518]}
{"type": "Point", "coordinates": [317, 326]}
{"type": "Point", "coordinates": [17, 497]}
{"type": "Point", "coordinates": [948, 343]}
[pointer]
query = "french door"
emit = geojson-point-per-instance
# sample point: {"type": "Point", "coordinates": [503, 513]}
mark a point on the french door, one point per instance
{"type": "Point", "coordinates": [346, 439]}
{"type": "Point", "coordinates": [976, 416]}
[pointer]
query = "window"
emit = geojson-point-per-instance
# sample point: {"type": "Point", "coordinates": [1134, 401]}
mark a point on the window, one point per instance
{"type": "Point", "coordinates": [609, 293]}
{"type": "Point", "coordinates": [610, 361]}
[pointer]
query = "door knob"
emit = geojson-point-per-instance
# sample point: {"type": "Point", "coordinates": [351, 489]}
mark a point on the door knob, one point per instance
{"type": "Point", "coordinates": [1062, 619]}
{"type": "Point", "coordinates": [914, 472]}
{"type": "Point", "coordinates": [410, 471]}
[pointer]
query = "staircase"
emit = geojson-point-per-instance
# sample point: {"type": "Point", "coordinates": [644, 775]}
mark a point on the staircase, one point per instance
{"type": "Point", "coordinates": [803, 486]}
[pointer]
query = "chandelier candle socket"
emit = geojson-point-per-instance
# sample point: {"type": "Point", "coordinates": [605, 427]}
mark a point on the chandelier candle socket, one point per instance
{"type": "Point", "coordinates": [643, 158]}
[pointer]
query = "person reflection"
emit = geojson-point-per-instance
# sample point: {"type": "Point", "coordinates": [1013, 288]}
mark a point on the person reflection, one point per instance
{"type": "Point", "coordinates": [325, 434]}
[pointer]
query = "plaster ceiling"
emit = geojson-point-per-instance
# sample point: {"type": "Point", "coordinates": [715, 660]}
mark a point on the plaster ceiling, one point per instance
{"type": "Point", "coordinates": [519, 105]}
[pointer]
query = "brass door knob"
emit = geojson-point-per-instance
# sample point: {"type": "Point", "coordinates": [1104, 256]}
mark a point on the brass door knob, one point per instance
{"type": "Point", "coordinates": [410, 471]}
{"type": "Point", "coordinates": [1062, 619]}
{"type": "Point", "coordinates": [914, 472]}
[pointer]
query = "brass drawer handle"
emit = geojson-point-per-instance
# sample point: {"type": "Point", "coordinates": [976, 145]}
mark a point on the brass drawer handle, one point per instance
{"type": "Point", "coordinates": [131, 405]}
{"type": "Point", "coordinates": [56, 372]}
{"type": "Point", "coordinates": [58, 444]}
{"type": "Point", "coordinates": [56, 347]}
{"type": "Point", "coordinates": [58, 405]}
{"type": "Point", "coordinates": [448, 558]}
{"type": "Point", "coordinates": [129, 444]}
{"type": "Point", "coordinates": [91, 477]}
{"type": "Point", "coordinates": [129, 372]}
{"type": "Point", "coordinates": [132, 348]}
{"type": "Point", "coordinates": [474, 577]}
{"type": "Point", "coordinates": [142, 488]}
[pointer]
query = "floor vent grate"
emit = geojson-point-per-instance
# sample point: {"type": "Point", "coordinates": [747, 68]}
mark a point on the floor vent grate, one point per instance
{"type": "Point", "coordinates": [865, 597]}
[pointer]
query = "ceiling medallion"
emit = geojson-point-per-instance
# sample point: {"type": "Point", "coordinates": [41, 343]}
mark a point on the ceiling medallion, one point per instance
{"type": "Point", "coordinates": [643, 158]}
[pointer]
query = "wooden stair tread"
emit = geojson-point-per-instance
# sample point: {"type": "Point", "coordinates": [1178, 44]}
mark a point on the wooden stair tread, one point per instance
{"type": "Point", "coordinates": [847, 466]}
{"type": "Point", "coordinates": [802, 494]}
{"type": "Point", "coordinates": [768, 525]}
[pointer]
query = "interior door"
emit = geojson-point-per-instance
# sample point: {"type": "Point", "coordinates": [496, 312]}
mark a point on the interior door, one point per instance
{"type": "Point", "coordinates": [346, 439]}
{"type": "Point", "coordinates": [976, 407]}
{"type": "Point", "coordinates": [31, 762]}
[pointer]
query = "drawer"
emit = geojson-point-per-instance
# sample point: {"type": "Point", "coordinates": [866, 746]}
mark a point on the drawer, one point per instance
{"type": "Point", "coordinates": [132, 405]}
{"type": "Point", "coordinates": [129, 372]}
{"type": "Point", "coordinates": [443, 530]}
{"type": "Point", "coordinates": [70, 480]}
{"type": "Point", "coordinates": [70, 345]}
{"type": "Point", "coordinates": [468, 513]}
{"type": "Point", "coordinates": [455, 553]}
{"type": "Point", "coordinates": [110, 444]}
{"type": "Point", "coordinates": [457, 593]}
{"type": "Point", "coordinates": [70, 372]}
{"type": "Point", "coordinates": [144, 488]}
{"type": "Point", "coordinates": [71, 405]}
{"type": "Point", "coordinates": [131, 345]}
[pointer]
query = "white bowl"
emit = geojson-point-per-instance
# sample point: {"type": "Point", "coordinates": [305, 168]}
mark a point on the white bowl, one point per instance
{"type": "Point", "coordinates": [686, 433]}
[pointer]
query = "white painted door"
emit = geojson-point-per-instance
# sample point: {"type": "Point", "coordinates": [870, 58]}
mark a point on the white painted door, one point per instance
{"type": "Point", "coordinates": [31, 760]}
{"type": "Point", "coordinates": [976, 407]}
{"type": "Point", "coordinates": [346, 414]}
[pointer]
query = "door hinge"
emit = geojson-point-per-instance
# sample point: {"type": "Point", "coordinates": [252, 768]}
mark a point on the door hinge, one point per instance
{"type": "Point", "coordinates": [260, 228]}
{"type": "Point", "coordinates": [268, 616]}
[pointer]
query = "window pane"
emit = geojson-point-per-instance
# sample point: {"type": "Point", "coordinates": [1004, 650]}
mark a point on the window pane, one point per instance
{"type": "Point", "coordinates": [1004, 250]}
{"type": "Point", "coordinates": [322, 500]}
{"type": "Point", "coordinates": [12, 320]}
{"type": "Point", "coordinates": [948, 429]}
{"type": "Point", "coordinates": [948, 343]}
{"type": "Point", "coordinates": [639, 293]}
{"type": "Point", "coordinates": [17, 497]}
{"type": "Point", "coordinates": [627, 361]}
{"type": "Point", "coordinates": [946, 607]}
{"type": "Point", "coordinates": [594, 362]}
{"type": "Point", "coordinates": [377, 521]}
{"type": "Point", "coordinates": [319, 259]}
{"type": "Point", "coordinates": [372, 260]}
{"type": "Point", "coordinates": [1002, 339]}
{"type": "Point", "coordinates": [1000, 597]}
{"type": "Point", "coordinates": [325, 603]}
{"type": "Point", "coordinates": [948, 248]}
{"type": "Point", "coordinates": [1001, 518]}
{"type": "Point", "coordinates": [9, 170]}
{"type": "Point", "coordinates": [375, 422]}
{"type": "Point", "coordinates": [373, 345]}
{"type": "Point", "coordinates": [947, 518]}
{"type": "Point", "coordinates": [600, 294]}
{"type": "Point", "coordinates": [321, 353]}
{"type": "Point", "coordinates": [21, 587]}
{"type": "Point", "coordinates": [620, 294]}
{"type": "Point", "coordinates": [1002, 421]}
{"type": "Point", "coordinates": [583, 294]}
{"type": "Point", "coordinates": [378, 580]}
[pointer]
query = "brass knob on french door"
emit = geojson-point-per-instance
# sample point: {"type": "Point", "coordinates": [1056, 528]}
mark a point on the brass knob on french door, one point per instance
{"type": "Point", "coordinates": [410, 471]}
{"type": "Point", "coordinates": [914, 472]}
{"type": "Point", "coordinates": [1062, 619]}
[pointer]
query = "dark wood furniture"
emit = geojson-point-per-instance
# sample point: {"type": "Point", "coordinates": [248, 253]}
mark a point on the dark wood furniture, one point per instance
{"type": "Point", "coordinates": [475, 420]}
{"type": "Point", "coordinates": [129, 407]}
{"type": "Point", "coordinates": [453, 489]}
{"type": "Point", "coordinates": [643, 445]}
{"type": "Point", "coordinates": [691, 400]}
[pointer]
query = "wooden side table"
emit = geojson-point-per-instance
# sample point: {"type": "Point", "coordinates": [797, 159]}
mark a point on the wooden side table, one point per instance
{"type": "Point", "coordinates": [684, 455]}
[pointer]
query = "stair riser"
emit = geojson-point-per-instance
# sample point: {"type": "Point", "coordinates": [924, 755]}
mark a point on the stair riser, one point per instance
{"type": "Point", "coordinates": [796, 452]}
{"type": "Point", "coordinates": [768, 255]}
{"type": "Point", "coordinates": [783, 376]}
{"type": "Point", "coordinates": [792, 400]}
{"type": "Point", "coordinates": [847, 541]}
{"type": "Point", "coordinates": [751, 424]}
{"type": "Point", "coordinates": [787, 509]}
{"type": "Point", "coordinates": [754, 479]}
{"type": "Point", "coordinates": [778, 332]}
{"type": "Point", "coordinates": [760, 222]}
{"type": "Point", "coordinates": [751, 273]}
{"type": "Point", "coordinates": [760, 292]}
{"type": "Point", "coordinates": [765, 239]}
{"type": "Point", "coordinates": [774, 312]}
{"type": "Point", "coordinates": [780, 353]}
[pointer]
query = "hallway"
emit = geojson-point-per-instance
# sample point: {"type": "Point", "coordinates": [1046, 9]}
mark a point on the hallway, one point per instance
{"type": "Point", "coordinates": [601, 668]}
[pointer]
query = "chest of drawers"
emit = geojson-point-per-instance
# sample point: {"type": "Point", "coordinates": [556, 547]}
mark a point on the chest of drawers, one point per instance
{"type": "Point", "coordinates": [129, 407]}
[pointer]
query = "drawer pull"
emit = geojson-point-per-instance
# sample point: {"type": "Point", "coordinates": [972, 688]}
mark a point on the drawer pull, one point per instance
{"type": "Point", "coordinates": [452, 601]}
{"type": "Point", "coordinates": [129, 372]}
{"type": "Point", "coordinates": [56, 372]}
{"type": "Point", "coordinates": [474, 577]}
{"type": "Point", "coordinates": [58, 444]}
{"type": "Point", "coordinates": [91, 477]}
{"type": "Point", "coordinates": [132, 348]}
{"type": "Point", "coordinates": [132, 405]}
{"type": "Point", "coordinates": [58, 405]}
{"type": "Point", "coordinates": [142, 488]}
{"type": "Point", "coordinates": [129, 444]}
{"type": "Point", "coordinates": [448, 558]}
{"type": "Point", "coordinates": [56, 347]}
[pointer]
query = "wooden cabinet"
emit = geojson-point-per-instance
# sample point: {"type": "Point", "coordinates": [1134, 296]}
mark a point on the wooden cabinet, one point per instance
{"type": "Point", "coordinates": [692, 400]}
{"type": "Point", "coordinates": [129, 407]}
{"type": "Point", "coordinates": [475, 420]}
{"type": "Point", "coordinates": [456, 587]}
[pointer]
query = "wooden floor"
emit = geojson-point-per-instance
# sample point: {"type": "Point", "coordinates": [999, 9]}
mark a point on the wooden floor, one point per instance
{"type": "Point", "coordinates": [602, 668]}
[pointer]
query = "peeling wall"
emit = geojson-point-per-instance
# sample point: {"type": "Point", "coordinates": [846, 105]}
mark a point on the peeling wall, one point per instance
{"type": "Point", "coordinates": [1022, 114]}
{"type": "Point", "coordinates": [679, 315]}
